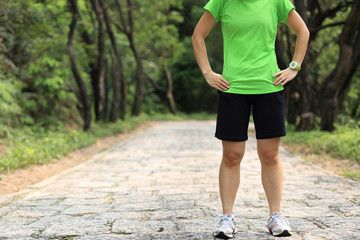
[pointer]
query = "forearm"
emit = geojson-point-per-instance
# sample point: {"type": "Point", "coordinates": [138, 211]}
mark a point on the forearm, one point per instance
{"type": "Point", "coordinates": [302, 40]}
{"type": "Point", "coordinates": [201, 54]}
{"type": "Point", "coordinates": [301, 46]}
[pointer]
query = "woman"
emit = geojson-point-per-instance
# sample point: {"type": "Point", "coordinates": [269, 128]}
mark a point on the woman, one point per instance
{"type": "Point", "coordinates": [250, 79]}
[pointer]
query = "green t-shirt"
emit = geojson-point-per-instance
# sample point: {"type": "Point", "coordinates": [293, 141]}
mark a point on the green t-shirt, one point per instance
{"type": "Point", "coordinates": [249, 30]}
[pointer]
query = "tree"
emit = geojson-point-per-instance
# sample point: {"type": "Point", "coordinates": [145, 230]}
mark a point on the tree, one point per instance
{"type": "Point", "coordinates": [98, 74]}
{"type": "Point", "coordinates": [304, 94]}
{"type": "Point", "coordinates": [162, 45]}
{"type": "Point", "coordinates": [83, 92]}
{"type": "Point", "coordinates": [127, 27]}
{"type": "Point", "coordinates": [115, 75]}
{"type": "Point", "coordinates": [337, 83]}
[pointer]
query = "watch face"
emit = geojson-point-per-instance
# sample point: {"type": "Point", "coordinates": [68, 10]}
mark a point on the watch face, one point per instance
{"type": "Point", "coordinates": [293, 64]}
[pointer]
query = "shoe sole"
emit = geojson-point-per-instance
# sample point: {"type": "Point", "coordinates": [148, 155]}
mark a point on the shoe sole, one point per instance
{"type": "Point", "coordinates": [285, 233]}
{"type": "Point", "coordinates": [222, 235]}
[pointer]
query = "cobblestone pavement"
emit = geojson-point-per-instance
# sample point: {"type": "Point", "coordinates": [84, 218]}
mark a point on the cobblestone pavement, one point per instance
{"type": "Point", "coordinates": [162, 183]}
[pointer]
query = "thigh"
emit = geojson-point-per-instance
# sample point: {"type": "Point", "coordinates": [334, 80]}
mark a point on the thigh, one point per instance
{"type": "Point", "coordinates": [269, 115]}
{"type": "Point", "coordinates": [232, 117]}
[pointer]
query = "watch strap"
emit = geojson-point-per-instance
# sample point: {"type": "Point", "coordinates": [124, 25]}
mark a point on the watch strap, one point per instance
{"type": "Point", "coordinates": [295, 65]}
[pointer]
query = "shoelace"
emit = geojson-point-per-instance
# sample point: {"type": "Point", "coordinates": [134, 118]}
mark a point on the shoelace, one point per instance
{"type": "Point", "coordinates": [225, 221]}
{"type": "Point", "coordinates": [279, 219]}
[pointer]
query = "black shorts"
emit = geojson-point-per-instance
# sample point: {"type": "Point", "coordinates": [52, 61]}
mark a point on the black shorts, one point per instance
{"type": "Point", "coordinates": [234, 113]}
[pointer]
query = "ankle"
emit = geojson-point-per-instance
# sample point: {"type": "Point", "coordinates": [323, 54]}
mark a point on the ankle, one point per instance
{"type": "Point", "coordinates": [225, 213]}
{"type": "Point", "coordinates": [272, 212]}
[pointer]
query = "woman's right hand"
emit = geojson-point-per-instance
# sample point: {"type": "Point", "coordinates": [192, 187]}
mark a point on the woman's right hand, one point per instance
{"type": "Point", "coordinates": [217, 81]}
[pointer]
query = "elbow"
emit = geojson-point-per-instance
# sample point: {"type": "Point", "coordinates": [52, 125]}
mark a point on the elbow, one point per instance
{"type": "Point", "coordinates": [196, 38]}
{"type": "Point", "coordinates": [303, 33]}
{"type": "Point", "coordinates": [193, 38]}
{"type": "Point", "coordinates": [307, 33]}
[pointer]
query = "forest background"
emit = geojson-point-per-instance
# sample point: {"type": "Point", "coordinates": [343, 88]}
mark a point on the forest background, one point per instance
{"type": "Point", "coordinates": [72, 71]}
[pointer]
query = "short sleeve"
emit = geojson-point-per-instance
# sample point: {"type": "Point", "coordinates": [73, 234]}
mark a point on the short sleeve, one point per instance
{"type": "Point", "coordinates": [283, 9]}
{"type": "Point", "coordinates": [215, 8]}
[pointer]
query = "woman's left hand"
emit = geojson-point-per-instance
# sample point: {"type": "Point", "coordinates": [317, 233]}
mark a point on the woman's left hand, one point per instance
{"type": "Point", "coordinates": [285, 76]}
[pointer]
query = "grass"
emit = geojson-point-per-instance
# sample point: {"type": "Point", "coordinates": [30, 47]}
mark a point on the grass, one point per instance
{"type": "Point", "coordinates": [339, 150]}
{"type": "Point", "coordinates": [36, 145]}
{"type": "Point", "coordinates": [355, 175]}
{"type": "Point", "coordinates": [342, 143]}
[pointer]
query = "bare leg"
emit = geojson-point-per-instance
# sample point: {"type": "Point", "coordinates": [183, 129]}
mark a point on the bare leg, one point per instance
{"type": "Point", "coordinates": [229, 174]}
{"type": "Point", "coordinates": [271, 171]}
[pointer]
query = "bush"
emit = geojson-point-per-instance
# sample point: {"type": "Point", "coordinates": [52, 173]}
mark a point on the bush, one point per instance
{"type": "Point", "coordinates": [342, 143]}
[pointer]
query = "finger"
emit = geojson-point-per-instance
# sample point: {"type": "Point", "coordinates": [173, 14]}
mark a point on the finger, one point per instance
{"type": "Point", "coordinates": [218, 86]}
{"type": "Point", "coordinates": [223, 85]}
{"type": "Point", "coordinates": [282, 80]}
{"type": "Point", "coordinates": [224, 80]}
{"type": "Point", "coordinates": [286, 81]}
{"type": "Point", "coordinates": [283, 77]}
{"type": "Point", "coordinates": [278, 73]}
{"type": "Point", "coordinates": [223, 88]}
{"type": "Point", "coordinates": [277, 81]}
{"type": "Point", "coordinates": [280, 76]}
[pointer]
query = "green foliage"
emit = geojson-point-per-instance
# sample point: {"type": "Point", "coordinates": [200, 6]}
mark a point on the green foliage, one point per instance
{"type": "Point", "coordinates": [355, 175]}
{"type": "Point", "coordinates": [37, 87]}
{"type": "Point", "coordinates": [344, 143]}
{"type": "Point", "coordinates": [34, 41]}
{"type": "Point", "coordinates": [29, 147]}
{"type": "Point", "coordinates": [190, 86]}
{"type": "Point", "coordinates": [157, 36]}
{"type": "Point", "coordinates": [9, 107]}
{"type": "Point", "coordinates": [37, 145]}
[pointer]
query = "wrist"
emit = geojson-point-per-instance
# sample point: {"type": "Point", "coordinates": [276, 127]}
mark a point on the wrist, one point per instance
{"type": "Point", "coordinates": [206, 72]}
{"type": "Point", "coordinates": [293, 70]}
{"type": "Point", "coordinates": [295, 66]}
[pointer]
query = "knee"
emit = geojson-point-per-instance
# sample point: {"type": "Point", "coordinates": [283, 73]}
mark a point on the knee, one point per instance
{"type": "Point", "coordinates": [269, 157]}
{"type": "Point", "coordinates": [232, 159]}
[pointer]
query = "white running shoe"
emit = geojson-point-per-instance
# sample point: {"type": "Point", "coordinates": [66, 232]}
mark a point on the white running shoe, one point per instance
{"type": "Point", "coordinates": [278, 225]}
{"type": "Point", "coordinates": [224, 226]}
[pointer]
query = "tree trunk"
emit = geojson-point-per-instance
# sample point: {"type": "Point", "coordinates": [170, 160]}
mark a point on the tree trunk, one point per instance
{"type": "Point", "coordinates": [115, 75]}
{"type": "Point", "coordinates": [139, 94]}
{"type": "Point", "coordinates": [306, 93]}
{"type": "Point", "coordinates": [307, 121]}
{"type": "Point", "coordinates": [106, 87]}
{"type": "Point", "coordinates": [114, 114]}
{"type": "Point", "coordinates": [169, 91]}
{"type": "Point", "coordinates": [98, 80]}
{"type": "Point", "coordinates": [139, 71]}
{"type": "Point", "coordinates": [83, 92]}
{"type": "Point", "coordinates": [336, 84]}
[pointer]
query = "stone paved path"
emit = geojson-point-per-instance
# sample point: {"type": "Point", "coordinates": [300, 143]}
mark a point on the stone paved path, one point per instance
{"type": "Point", "coordinates": [162, 184]}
